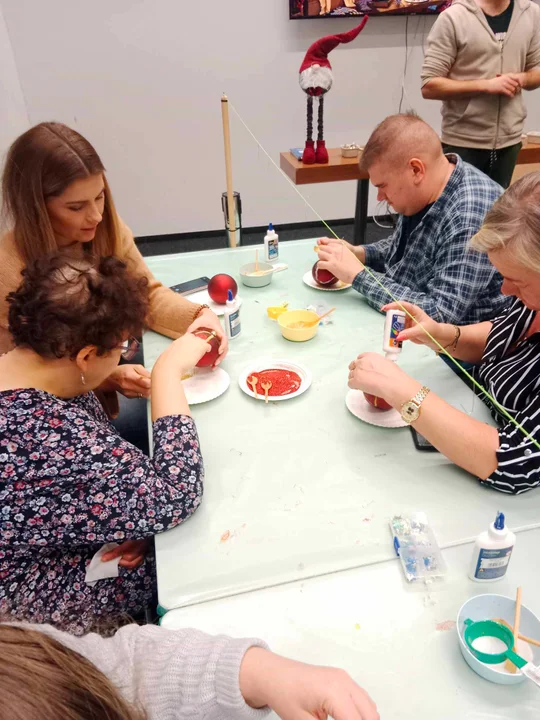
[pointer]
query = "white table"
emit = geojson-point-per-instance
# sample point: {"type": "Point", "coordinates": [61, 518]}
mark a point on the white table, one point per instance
{"type": "Point", "coordinates": [385, 634]}
{"type": "Point", "coordinates": [302, 486]}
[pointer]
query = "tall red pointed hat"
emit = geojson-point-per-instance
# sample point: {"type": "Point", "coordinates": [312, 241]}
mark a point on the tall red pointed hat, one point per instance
{"type": "Point", "coordinates": [317, 53]}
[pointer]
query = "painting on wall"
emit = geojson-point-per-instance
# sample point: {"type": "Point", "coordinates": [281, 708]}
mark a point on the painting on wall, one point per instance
{"type": "Point", "coordinates": [312, 9]}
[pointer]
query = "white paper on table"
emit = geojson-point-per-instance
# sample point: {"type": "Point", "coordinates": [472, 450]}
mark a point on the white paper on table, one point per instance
{"type": "Point", "coordinates": [98, 570]}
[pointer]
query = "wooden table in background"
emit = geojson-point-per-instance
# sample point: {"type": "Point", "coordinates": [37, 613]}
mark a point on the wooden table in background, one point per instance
{"type": "Point", "coordinates": [340, 168]}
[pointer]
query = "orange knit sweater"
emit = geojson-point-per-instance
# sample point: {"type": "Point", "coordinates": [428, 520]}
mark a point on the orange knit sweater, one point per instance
{"type": "Point", "coordinates": [171, 314]}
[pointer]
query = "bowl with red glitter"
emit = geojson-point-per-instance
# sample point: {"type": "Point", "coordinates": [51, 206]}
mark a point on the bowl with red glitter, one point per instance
{"type": "Point", "coordinates": [289, 380]}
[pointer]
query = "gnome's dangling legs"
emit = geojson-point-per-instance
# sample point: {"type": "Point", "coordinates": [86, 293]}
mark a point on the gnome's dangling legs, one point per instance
{"type": "Point", "coordinates": [312, 155]}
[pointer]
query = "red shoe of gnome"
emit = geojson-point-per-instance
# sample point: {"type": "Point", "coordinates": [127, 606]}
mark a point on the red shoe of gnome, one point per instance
{"type": "Point", "coordinates": [308, 156]}
{"type": "Point", "coordinates": [321, 154]}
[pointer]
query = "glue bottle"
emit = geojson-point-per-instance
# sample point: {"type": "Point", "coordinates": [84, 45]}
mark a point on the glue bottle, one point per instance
{"type": "Point", "coordinates": [394, 324]}
{"type": "Point", "coordinates": [492, 552]}
{"type": "Point", "coordinates": [232, 316]}
{"type": "Point", "coordinates": [271, 240]}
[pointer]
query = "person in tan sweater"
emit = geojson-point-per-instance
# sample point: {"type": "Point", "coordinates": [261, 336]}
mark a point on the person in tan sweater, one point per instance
{"type": "Point", "coordinates": [480, 55]}
{"type": "Point", "coordinates": [56, 194]}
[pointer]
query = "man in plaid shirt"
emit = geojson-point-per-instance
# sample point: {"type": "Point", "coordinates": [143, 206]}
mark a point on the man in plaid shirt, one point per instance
{"type": "Point", "coordinates": [442, 202]}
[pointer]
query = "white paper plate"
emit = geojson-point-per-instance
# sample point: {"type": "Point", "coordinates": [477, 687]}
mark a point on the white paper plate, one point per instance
{"type": "Point", "coordinates": [308, 279]}
{"type": "Point", "coordinates": [203, 298]}
{"type": "Point", "coordinates": [270, 364]}
{"type": "Point", "coordinates": [360, 408]}
{"type": "Point", "coordinates": [205, 385]}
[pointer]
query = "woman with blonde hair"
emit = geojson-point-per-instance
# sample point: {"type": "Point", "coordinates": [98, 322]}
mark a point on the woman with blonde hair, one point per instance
{"type": "Point", "coordinates": [151, 673]}
{"type": "Point", "coordinates": [506, 353]}
{"type": "Point", "coordinates": [56, 195]}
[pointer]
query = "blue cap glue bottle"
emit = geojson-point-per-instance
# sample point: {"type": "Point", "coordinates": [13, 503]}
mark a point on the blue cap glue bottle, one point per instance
{"type": "Point", "coordinates": [492, 552]}
{"type": "Point", "coordinates": [232, 316]}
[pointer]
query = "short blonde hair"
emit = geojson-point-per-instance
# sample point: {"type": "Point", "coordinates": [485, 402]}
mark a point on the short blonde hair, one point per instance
{"type": "Point", "coordinates": [514, 223]}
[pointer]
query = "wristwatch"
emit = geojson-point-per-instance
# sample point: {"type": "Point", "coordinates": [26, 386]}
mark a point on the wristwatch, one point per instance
{"type": "Point", "coordinates": [410, 410]}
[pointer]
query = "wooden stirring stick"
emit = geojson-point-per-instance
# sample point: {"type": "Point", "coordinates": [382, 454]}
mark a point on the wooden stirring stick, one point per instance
{"type": "Point", "coordinates": [509, 665]}
{"type": "Point", "coordinates": [256, 261]}
{"type": "Point", "coordinates": [316, 322]}
{"type": "Point", "coordinates": [526, 639]}
{"type": "Point", "coordinates": [266, 387]}
{"type": "Point", "coordinates": [253, 382]}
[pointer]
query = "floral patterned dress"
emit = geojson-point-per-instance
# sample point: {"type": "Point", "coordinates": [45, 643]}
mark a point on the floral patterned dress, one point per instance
{"type": "Point", "coordinates": [68, 484]}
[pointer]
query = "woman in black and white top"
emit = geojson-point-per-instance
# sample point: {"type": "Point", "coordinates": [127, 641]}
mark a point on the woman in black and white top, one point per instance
{"type": "Point", "coordinates": [505, 351]}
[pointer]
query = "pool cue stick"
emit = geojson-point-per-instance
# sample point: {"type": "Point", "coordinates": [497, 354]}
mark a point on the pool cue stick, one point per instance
{"type": "Point", "coordinates": [228, 169]}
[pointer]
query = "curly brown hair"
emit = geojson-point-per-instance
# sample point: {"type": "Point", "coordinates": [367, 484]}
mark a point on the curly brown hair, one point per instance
{"type": "Point", "coordinates": [65, 304]}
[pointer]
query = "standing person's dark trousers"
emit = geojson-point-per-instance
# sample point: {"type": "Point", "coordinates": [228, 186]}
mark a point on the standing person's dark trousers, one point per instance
{"type": "Point", "coordinates": [499, 165]}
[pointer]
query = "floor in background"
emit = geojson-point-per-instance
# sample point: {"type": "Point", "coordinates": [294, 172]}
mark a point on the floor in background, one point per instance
{"type": "Point", "coordinates": [167, 244]}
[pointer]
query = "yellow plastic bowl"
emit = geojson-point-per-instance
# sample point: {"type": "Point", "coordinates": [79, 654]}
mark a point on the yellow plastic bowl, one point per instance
{"type": "Point", "coordinates": [291, 317]}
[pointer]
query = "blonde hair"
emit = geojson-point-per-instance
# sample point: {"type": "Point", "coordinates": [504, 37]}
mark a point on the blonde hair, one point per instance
{"type": "Point", "coordinates": [514, 223]}
{"type": "Point", "coordinates": [400, 138]}
{"type": "Point", "coordinates": [40, 164]}
{"type": "Point", "coordinates": [41, 679]}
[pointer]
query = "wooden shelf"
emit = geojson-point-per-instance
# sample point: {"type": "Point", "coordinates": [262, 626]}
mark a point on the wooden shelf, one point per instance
{"type": "Point", "coordinates": [340, 168]}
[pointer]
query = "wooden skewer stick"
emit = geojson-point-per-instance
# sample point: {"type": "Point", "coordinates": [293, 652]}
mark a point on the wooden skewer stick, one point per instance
{"type": "Point", "coordinates": [526, 639]}
{"type": "Point", "coordinates": [509, 665]}
{"type": "Point", "coordinates": [228, 169]}
{"type": "Point", "coordinates": [256, 261]}
{"type": "Point", "coordinates": [326, 314]}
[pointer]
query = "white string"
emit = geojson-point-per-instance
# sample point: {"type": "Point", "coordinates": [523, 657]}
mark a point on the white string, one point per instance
{"type": "Point", "coordinates": [287, 178]}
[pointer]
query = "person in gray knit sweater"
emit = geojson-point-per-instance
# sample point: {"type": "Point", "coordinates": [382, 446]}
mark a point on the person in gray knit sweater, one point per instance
{"type": "Point", "coordinates": [151, 673]}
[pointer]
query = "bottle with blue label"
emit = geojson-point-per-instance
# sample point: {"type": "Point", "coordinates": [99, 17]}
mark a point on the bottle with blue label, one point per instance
{"type": "Point", "coordinates": [492, 552]}
{"type": "Point", "coordinates": [232, 316]}
{"type": "Point", "coordinates": [393, 326]}
{"type": "Point", "coordinates": [271, 245]}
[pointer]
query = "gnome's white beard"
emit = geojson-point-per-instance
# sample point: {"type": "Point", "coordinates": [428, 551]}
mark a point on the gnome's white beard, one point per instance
{"type": "Point", "coordinates": [316, 77]}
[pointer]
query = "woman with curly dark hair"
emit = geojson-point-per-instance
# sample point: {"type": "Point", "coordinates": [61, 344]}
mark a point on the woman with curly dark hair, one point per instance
{"type": "Point", "coordinates": [68, 482]}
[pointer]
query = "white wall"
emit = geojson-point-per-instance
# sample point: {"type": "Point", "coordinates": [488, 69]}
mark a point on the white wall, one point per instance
{"type": "Point", "coordinates": [142, 80]}
{"type": "Point", "coordinates": [13, 116]}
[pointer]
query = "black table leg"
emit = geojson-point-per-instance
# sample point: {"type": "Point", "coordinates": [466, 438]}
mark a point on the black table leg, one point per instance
{"type": "Point", "coordinates": [361, 214]}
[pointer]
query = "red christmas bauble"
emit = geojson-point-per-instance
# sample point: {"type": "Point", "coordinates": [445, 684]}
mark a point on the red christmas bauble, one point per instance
{"type": "Point", "coordinates": [219, 286]}
{"type": "Point", "coordinates": [323, 277]}
{"type": "Point", "coordinates": [212, 355]}
{"type": "Point", "coordinates": [377, 402]}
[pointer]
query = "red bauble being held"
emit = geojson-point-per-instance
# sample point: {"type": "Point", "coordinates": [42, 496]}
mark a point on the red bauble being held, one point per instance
{"type": "Point", "coordinates": [219, 286]}
{"type": "Point", "coordinates": [377, 402]}
{"type": "Point", "coordinates": [323, 277]}
{"type": "Point", "coordinates": [212, 355]}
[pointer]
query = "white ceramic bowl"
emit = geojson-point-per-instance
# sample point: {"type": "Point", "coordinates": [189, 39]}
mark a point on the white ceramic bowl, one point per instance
{"type": "Point", "coordinates": [490, 607]}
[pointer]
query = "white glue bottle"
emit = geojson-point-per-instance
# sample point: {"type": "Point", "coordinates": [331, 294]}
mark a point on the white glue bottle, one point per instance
{"type": "Point", "coordinates": [232, 316]}
{"type": "Point", "coordinates": [394, 324]}
{"type": "Point", "coordinates": [271, 240]}
{"type": "Point", "coordinates": [492, 552]}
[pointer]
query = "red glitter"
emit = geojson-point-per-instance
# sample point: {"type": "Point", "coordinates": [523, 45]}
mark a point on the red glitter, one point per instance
{"type": "Point", "coordinates": [284, 382]}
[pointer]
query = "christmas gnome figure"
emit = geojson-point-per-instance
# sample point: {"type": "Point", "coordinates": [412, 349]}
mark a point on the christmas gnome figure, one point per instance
{"type": "Point", "coordinates": [316, 80]}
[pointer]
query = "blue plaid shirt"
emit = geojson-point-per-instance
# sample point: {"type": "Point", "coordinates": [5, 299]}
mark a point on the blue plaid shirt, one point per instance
{"type": "Point", "coordinates": [438, 272]}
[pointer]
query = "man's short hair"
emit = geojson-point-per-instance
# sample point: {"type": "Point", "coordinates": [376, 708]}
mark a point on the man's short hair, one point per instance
{"type": "Point", "coordinates": [400, 137]}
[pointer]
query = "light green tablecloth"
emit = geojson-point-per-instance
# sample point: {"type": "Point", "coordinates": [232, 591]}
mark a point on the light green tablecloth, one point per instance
{"type": "Point", "coordinates": [302, 486]}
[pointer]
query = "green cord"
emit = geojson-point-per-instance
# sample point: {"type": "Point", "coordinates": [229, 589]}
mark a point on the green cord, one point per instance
{"type": "Point", "coordinates": [499, 407]}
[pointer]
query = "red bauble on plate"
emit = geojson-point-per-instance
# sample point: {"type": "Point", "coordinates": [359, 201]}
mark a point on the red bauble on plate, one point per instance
{"type": "Point", "coordinates": [219, 286]}
{"type": "Point", "coordinates": [377, 402]}
{"type": "Point", "coordinates": [212, 355]}
{"type": "Point", "coordinates": [323, 277]}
